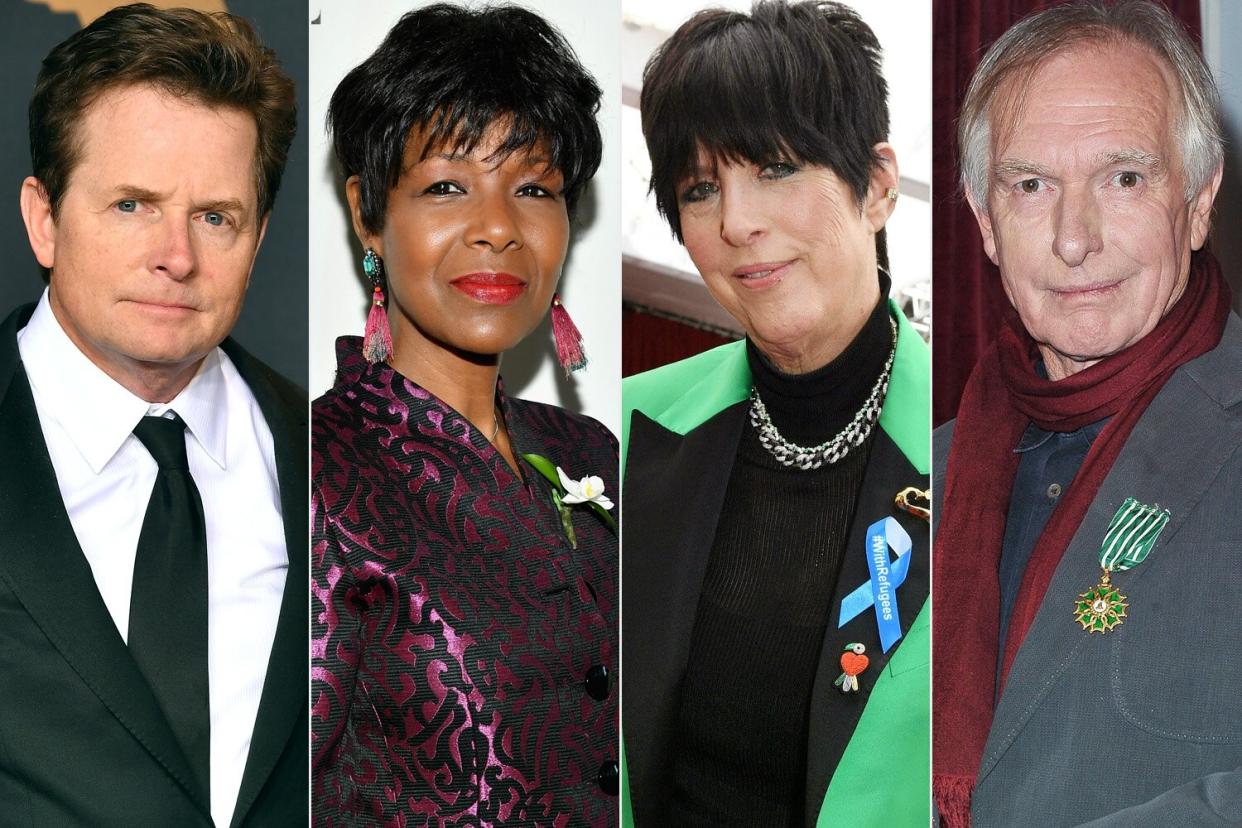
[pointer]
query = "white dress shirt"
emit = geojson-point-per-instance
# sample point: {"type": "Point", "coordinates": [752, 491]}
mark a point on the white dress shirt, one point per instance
{"type": "Point", "coordinates": [106, 476]}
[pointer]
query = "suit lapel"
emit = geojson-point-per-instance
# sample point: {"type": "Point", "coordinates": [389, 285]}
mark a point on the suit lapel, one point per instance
{"type": "Point", "coordinates": [676, 484]}
{"type": "Point", "coordinates": [899, 458]}
{"type": "Point", "coordinates": [43, 564]}
{"type": "Point", "coordinates": [284, 688]}
{"type": "Point", "coordinates": [834, 715]}
{"type": "Point", "coordinates": [679, 496]}
{"type": "Point", "coordinates": [1152, 470]}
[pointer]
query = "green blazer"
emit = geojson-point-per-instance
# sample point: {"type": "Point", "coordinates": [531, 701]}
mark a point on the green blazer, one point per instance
{"type": "Point", "coordinates": [868, 754]}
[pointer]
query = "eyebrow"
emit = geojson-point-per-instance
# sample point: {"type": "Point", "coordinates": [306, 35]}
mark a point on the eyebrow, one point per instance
{"type": "Point", "coordinates": [1134, 158]}
{"type": "Point", "coordinates": [224, 205]}
{"type": "Point", "coordinates": [138, 193]}
{"type": "Point", "coordinates": [1016, 167]}
{"type": "Point", "coordinates": [221, 205]}
{"type": "Point", "coordinates": [696, 169]}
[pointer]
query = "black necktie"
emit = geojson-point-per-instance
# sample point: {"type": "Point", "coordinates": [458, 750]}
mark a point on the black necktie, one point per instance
{"type": "Point", "coordinates": [168, 606]}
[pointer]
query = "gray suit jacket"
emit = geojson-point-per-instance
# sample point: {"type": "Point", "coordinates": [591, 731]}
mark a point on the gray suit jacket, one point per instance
{"type": "Point", "coordinates": [1141, 726]}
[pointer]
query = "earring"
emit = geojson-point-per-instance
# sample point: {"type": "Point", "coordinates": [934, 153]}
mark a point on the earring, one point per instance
{"type": "Point", "coordinates": [568, 338]}
{"type": "Point", "coordinates": [891, 193]}
{"type": "Point", "coordinates": [377, 341]}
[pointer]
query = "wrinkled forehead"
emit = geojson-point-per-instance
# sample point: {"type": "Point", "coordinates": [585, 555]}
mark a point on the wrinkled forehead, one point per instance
{"type": "Point", "coordinates": [1086, 97]}
{"type": "Point", "coordinates": [139, 130]}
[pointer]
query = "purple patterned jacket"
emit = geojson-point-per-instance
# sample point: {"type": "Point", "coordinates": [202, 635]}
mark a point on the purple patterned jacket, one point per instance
{"type": "Point", "coordinates": [458, 640]}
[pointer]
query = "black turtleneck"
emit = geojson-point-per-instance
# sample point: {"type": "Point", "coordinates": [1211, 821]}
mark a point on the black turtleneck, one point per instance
{"type": "Point", "coordinates": [767, 595]}
{"type": "Point", "coordinates": [810, 408]}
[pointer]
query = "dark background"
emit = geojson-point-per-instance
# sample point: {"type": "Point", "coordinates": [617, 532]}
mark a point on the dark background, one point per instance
{"type": "Point", "coordinates": [273, 324]}
{"type": "Point", "coordinates": [967, 298]}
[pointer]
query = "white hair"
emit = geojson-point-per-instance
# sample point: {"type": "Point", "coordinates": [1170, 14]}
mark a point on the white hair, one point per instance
{"type": "Point", "coordinates": [1039, 36]}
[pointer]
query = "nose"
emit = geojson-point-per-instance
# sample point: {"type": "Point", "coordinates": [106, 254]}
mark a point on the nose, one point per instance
{"type": "Point", "coordinates": [173, 251]}
{"type": "Point", "coordinates": [1077, 230]}
{"type": "Point", "coordinates": [741, 220]}
{"type": "Point", "coordinates": [495, 225]}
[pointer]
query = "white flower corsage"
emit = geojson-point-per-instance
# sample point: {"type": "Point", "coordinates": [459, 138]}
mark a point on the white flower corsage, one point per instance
{"type": "Point", "coordinates": [567, 492]}
{"type": "Point", "coordinates": [587, 490]}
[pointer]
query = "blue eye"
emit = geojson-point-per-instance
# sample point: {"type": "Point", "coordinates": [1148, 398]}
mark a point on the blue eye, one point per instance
{"type": "Point", "coordinates": [778, 169]}
{"type": "Point", "coordinates": [699, 191]}
{"type": "Point", "coordinates": [214, 219]}
{"type": "Point", "coordinates": [127, 205]}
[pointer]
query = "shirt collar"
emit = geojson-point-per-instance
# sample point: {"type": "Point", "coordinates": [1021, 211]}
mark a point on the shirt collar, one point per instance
{"type": "Point", "coordinates": [203, 405]}
{"type": "Point", "coordinates": [1034, 436]}
{"type": "Point", "coordinates": [96, 412]}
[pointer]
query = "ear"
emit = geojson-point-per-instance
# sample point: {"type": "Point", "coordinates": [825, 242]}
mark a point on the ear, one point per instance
{"type": "Point", "coordinates": [40, 225]}
{"type": "Point", "coordinates": [258, 244]}
{"type": "Point", "coordinates": [985, 226]}
{"type": "Point", "coordinates": [262, 231]}
{"type": "Point", "coordinates": [884, 180]}
{"type": "Point", "coordinates": [353, 194]}
{"type": "Point", "coordinates": [1201, 210]}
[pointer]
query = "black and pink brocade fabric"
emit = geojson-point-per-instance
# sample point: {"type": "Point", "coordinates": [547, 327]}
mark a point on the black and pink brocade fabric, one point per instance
{"type": "Point", "coordinates": [453, 624]}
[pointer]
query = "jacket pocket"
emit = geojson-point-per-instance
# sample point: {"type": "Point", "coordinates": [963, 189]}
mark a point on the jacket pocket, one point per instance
{"type": "Point", "coordinates": [1175, 668]}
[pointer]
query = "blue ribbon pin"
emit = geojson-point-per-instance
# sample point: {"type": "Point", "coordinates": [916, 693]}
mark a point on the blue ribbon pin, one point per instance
{"type": "Point", "coordinates": [881, 591]}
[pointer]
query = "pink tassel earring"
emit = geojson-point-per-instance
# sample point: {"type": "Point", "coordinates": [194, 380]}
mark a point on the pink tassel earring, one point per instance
{"type": "Point", "coordinates": [377, 341]}
{"type": "Point", "coordinates": [568, 338]}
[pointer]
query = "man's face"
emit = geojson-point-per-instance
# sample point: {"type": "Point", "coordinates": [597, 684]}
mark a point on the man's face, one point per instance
{"type": "Point", "coordinates": [1087, 215]}
{"type": "Point", "coordinates": [156, 234]}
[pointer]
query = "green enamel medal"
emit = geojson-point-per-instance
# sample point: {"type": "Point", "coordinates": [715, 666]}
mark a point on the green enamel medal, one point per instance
{"type": "Point", "coordinates": [1131, 534]}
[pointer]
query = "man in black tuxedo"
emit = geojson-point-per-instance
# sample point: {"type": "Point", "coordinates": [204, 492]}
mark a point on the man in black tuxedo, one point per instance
{"type": "Point", "coordinates": [153, 643]}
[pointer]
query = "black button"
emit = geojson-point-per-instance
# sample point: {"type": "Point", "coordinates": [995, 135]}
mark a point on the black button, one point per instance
{"type": "Point", "coordinates": [609, 777]}
{"type": "Point", "coordinates": [597, 682]}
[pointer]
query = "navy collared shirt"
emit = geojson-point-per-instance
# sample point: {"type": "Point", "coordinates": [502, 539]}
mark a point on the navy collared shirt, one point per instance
{"type": "Point", "coordinates": [1050, 460]}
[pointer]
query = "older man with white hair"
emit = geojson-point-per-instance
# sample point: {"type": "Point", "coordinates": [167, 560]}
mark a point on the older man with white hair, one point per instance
{"type": "Point", "coordinates": [1088, 537]}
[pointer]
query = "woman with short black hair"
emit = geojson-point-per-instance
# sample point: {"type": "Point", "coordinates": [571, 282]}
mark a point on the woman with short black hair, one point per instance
{"type": "Point", "coordinates": [776, 640]}
{"type": "Point", "coordinates": [464, 555]}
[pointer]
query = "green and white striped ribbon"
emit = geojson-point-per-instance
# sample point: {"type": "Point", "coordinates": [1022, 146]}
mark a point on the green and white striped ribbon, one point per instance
{"type": "Point", "coordinates": [1131, 534]}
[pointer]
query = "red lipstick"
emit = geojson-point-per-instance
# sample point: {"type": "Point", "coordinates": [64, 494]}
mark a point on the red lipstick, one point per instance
{"type": "Point", "coordinates": [490, 288]}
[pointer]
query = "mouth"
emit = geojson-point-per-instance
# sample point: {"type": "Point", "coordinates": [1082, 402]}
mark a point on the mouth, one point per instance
{"type": "Point", "coordinates": [491, 288]}
{"type": "Point", "coordinates": [763, 274]}
{"type": "Point", "coordinates": [1099, 288]}
{"type": "Point", "coordinates": [162, 306]}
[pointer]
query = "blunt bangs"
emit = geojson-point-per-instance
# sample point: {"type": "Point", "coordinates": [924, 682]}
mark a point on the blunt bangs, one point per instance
{"type": "Point", "coordinates": [798, 82]}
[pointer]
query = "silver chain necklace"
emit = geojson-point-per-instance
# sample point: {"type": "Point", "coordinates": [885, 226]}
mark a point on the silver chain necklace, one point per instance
{"type": "Point", "coordinates": [832, 450]}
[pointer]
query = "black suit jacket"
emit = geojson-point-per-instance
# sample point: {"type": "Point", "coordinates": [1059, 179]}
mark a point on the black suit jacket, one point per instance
{"type": "Point", "coordinates": [82, 738]}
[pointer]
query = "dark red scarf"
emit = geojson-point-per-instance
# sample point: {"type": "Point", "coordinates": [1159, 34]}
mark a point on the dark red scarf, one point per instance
{"type": "Point", "coordinates": [1003, 395]}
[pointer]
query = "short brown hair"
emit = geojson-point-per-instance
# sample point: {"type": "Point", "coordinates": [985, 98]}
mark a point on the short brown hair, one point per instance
{"type": "Point", "coordinates": [214, 58]}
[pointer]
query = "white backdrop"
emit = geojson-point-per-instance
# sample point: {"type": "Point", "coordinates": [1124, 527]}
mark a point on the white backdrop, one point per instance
{"type": "Point", "coordinates": [343, 33]}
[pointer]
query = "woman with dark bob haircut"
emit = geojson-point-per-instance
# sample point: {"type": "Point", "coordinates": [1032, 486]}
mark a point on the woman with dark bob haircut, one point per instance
{"type": "Point", "coordinates": [464, 553]}
{"type": "Point", "coordinates": [776, 636]}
